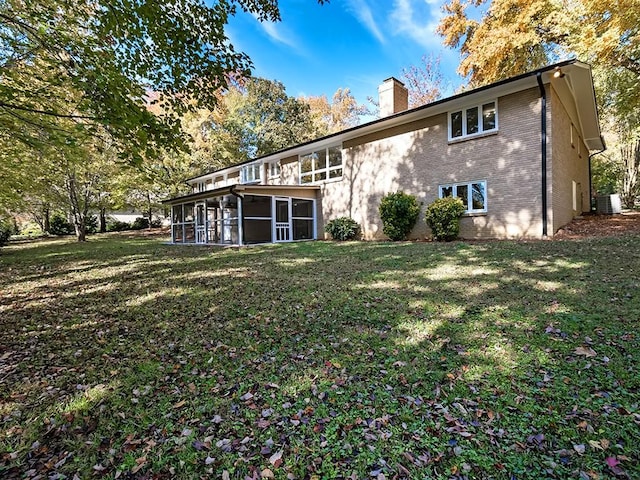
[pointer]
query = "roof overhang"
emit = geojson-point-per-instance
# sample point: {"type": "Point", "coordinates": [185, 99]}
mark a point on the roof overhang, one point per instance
{"type": "Point", "coordinates": [240, 190]}
{"type": "Point", "coordinates": [576, 80]}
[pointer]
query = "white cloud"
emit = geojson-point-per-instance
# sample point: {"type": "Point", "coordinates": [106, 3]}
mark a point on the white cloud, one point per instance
{"type": "Point", "coordinates": [361, 10]}
{"type": "Point", "coordinates": [277, 33]}
{"type": "Point", "coordinates": [418, 20]}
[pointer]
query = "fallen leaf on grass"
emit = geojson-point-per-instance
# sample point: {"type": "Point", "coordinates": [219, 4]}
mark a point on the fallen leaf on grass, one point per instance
{"type": "Point", "coordinates": [276, 459]}
{"type": "Point", "coordinates": [612, 461]}
{"type": "Point", "coordinates": [586, 351]}
{"type": "Point", "coordinates": [614, 465]}
{"type": "Point", "coordinates": [595, 445]}
{"type": "Point", "coordinates": [140, 462]}
{"type": "Point", "coordinates": [262, 423]}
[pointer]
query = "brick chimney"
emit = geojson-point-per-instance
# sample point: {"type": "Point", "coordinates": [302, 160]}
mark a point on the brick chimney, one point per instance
{"type": "Point", "coordinates": [393, 97]}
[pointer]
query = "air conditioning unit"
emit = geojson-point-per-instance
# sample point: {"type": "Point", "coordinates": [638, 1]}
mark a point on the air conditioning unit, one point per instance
{"type": "Point", "coordinates": [608, 204]}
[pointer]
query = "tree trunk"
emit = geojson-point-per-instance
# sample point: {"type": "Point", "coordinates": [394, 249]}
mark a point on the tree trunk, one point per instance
{"type": "Point", "coordinates": [81, 231]}
{"type": "Point", "coordinates": [150, 210]}
{"type": "Point", "coordinates": [79, 208]}
{"type": "Point", "coordinates": [46, 220]}
{"type": "Point", "coordinates": [103, 220]}
{"type": "Point", "coordinates": [630, 180]}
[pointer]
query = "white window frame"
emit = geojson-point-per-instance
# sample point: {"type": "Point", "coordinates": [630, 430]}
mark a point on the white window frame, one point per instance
{"type": "Point", "coordinates": [251, 173]}
{"type": "Point", "coordinates": [470, 209]}
{"type": "Point", "coordinates": [326, 170]}
{"type": "Point", "coordinates": [274, 169]}
{"type": "Point", "coordinates": [464, 110]}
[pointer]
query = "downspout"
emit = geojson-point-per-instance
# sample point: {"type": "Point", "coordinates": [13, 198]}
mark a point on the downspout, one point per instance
{"type": "Point", "coordinates": [543, 152]}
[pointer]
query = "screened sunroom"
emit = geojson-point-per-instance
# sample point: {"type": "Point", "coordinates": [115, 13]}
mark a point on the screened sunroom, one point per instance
{"type": "Point", "coordinates": [244, 215]}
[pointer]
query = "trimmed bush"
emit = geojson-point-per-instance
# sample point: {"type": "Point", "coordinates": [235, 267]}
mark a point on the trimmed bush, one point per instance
{"type": "Point", "coordinates": [399, 213]}
{"type": "Point", "coordinates": [6, 229]}
{"type": "Point", "coordinates": [140, 223]}
{"type": "Point", "coordinates": [118, 226]}
{"type": "Point", "coordinates": [60, 226]}
{"type": "Point", "coordinates": [343, 228]}
{"type": "Point", "coordinates": [443, 217]}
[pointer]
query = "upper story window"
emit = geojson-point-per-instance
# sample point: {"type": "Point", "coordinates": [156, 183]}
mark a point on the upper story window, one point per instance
{"type": "Point", "coordinates": [321, 165]}
{"type": "Point", "coordinates": [274, 169]}
{"type": "Point", "coordinates": [250, 173]}
{"type": "Point", "coordinates": [473, 120]}
{"type": "Point", "coordinates": [472, 194]}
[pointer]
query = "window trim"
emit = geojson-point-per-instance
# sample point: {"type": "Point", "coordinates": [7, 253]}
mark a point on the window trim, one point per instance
{"type": "Point", "coordinates": [253, 167]}
{"type": "Point", "coordinates": [463, 111]}
{"type": "Point", "coordinates": [275, 165]}
{"type": "Point", "coordinates": [454, 186]}
{"type": "Point", "coordinates": [327, 170]}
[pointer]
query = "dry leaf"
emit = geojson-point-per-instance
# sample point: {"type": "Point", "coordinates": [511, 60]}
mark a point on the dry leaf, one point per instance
{"type": "Point", "coordinates": [246, 396]}
{"type": "Point", "coordinates": [586, 351]}
{"type": "Point", "coordinates": [276, 459]}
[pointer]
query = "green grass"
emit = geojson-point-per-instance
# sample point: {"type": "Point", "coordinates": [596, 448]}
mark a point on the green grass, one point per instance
{"type": "Point", "coordinates": [130, 358]}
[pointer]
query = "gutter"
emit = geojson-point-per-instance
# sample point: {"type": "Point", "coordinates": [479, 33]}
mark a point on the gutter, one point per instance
{"type": "Point", "coordinates": [543, 151]}
{"type": "Point", "coordinates": [232, 191]}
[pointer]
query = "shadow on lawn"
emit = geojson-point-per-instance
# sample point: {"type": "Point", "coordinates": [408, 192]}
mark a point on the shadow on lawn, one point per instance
{"type": "Point", "coordinates": [144, 341]}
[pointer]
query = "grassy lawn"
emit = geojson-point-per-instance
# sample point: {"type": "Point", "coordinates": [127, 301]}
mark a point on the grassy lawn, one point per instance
{"type": "Point", "coordinates": [128, 358]}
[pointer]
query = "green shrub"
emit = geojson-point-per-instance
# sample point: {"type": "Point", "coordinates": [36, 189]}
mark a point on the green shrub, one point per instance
{"type": "Point", "coordinates": [92, 224]}
{"type": "Point", "coordinates": [6, 229]}
{"type": "Point", "coordinates": [140, 223]}
{"type": "Point", "coordinates": [60, 226]}
{"type": "Point", "coordinates": [118, 226]}
{"type": "Point", "coordinates": [399, 213]}
{"type": "Point", "coordinates": [343, 228]}
{"type": "Point", "coordinates": [443, 217]}
{"type": "Point", "coordinates": [31, 229]}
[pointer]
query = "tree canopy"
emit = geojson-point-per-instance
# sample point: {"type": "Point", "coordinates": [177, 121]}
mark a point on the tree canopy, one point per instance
{"type": "Point", "coordinates": [265, 119]}
{"type": "Point", "coordinates": [424, 81]}
{"type": "Point", "coordinates": [341, 113]}
{"type": "Point", "coordinates": [501, 38]}
{"type": "Point", "coordinates": [94, 62]}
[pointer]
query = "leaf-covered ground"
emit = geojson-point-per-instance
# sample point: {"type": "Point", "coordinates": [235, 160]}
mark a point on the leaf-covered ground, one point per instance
{"type": "Point", "coordinates": [129, 358]}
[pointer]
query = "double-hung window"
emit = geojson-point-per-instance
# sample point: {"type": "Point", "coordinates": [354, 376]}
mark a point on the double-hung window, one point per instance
{"type": "Point", "coordinates": [472, 194]}
{"type": "Point", "coordinates": [250, 173]}
{"type": "Point", "coordinates": [472, 121]}
{"type": "Point", "coordinates": [321, 165]}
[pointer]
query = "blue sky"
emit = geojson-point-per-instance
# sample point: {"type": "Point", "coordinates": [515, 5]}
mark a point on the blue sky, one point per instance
{"type": "Point", "coordinates": [353, 44]}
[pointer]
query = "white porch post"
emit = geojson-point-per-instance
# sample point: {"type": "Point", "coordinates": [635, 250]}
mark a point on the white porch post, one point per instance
{"type": "Point", "coordinates": [240, 233]}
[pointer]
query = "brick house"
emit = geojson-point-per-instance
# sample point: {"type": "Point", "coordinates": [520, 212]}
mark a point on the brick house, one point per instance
{"type": "Point", "coordinates": [517, 152]}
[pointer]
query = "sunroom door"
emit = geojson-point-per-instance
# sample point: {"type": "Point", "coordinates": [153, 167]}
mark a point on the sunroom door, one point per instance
{"type": "Point", "coordinates": [282, 220]}
{"type": "Point", "coordinates": [201, 222]}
